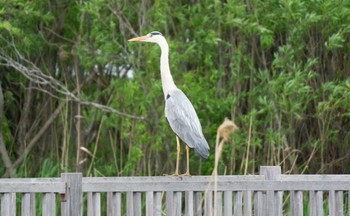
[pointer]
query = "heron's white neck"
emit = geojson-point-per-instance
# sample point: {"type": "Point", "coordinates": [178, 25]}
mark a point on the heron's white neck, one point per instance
{"type": "Point", "coordinates": [167, 80]}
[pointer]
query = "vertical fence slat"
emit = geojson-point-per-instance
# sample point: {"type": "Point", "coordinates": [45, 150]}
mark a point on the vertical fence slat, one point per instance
{"type": "Point", "coordinates": [114, 204]}
{"type": "Point", "coordinates": [28, 204]}
{"type": "Point", "coordinates": [258, 203]}
{"type": "Point", "coordinates": [296, 203]}
{"type": "Point", "coordinates": [97, 203]}
{"type": "Point", "coordinates": [94, 204]}
{"type": "Point", "coordinates": [312, 203]}
{"type": "Point", "coordinates": [49, 204]}
{"type": "Point", "coordinates": [169, 203]}
{"type": "Point", "coordinates": [158, 203]}
{"type": "Point", "coordinates": [237, 204]}
{"type": "Point", "coordinates": [319, 203]}
{"type": "Point", "coordinates": [208, 204]}
{"type": "Point", "coordinates": [228, 203]}
{"type": "Point", "coordinates": [25, 205]}
{"type": "Point", "coordinates": [90, 206]}
{"type": "Point", "coordinates": [279, 203]}
{"type": "Point", "coordinates": [149, 203]}
{"type": "Point", "coordinates": [270, 207]}
{"type": "Point", "coordinates": [8, 204]}
{"type": "Point", "coordinates": [198, 203]}
{"type": "Point", "coordinates": [189, 203]}
{"type": "Point", "coordinates": [316, 203]}
{"type": "Point", "coordinates": [177, 203]}
{"type": "Point", "coordinates": [339, 203]}
{"type": "Point", "coordinates": [218, 203]}
{"type": "Point", "coordinates": [137, 204]}
{"type": "Point", "coordinates": [247, 203]}
{"type": "Point", "coordinates": [331, 203]}
{"type": "Point", "coordinates": [129, 204]}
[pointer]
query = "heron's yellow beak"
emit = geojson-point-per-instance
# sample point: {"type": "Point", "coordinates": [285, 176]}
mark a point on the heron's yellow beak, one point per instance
{"type": "Point", "coordinates": [142, 38]}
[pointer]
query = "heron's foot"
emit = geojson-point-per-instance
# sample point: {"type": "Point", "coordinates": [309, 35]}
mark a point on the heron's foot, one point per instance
{"type": "Point", "coordinates": [175, 174]}
{"type": "Point", "coordinates": [186, 174]}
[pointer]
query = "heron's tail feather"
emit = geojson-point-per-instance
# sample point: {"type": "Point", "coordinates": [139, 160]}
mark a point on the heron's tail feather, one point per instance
{"type": "Point", "coordinates": [202, 149]}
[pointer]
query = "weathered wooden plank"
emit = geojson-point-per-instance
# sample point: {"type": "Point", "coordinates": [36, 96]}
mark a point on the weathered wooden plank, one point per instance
{"type": "Point", "coordinates": [296, 203]}
{"type": "Point", "coordinates": [313, 178]}
{"type": "Point", "coordinates": [25, 205]}
{"type": "Point", "coordinates": [177, 203]}
{"type": "Point", "coordinates": [94, 204]}
{"type": "Point", "coordinates": [267, 198]}
{"type": "Point", "coordinates": [222, 186]}
{"type": "Point", "coordinates": [228, 203]}
{"type": "Point", "coordinates": [30, 180]}
{"type": "Point", "coordinates": [150, 203]}
{"type": "Point", "coordinates": [319, 203]}
{"type": "Point", "coordinates": [259, 204]}
{"type": "Point", "coordinates": [36, 187]}
{"type": "Point", "coordinates": [170, 179]}
{"type": "Point", "coordinates": [339, 203]}
{"type": "Point", "coordinates": [208, 204]}
{"type": "Point", "coordinates": [114, 205]}
{"type": "Point", "coordinates": [198, 203]}
{"type": "Point", "coordinates": [189, 203]}
{"type": "Point", "coordinates": [8, 204]}
{"type": "Point", "coordinates": [331, 203]}
{"type": "Point", "coordinates": [316, 203]}
{"type": "Point", "coordinates": [279, 203]}
{"type": "Point", "coordinates": [270, 206]}
{"type": "Point", "coordinates": [237, 203]}
{"type": "Point", "coordinates": [130, 204]}
{"type": "Point", "coordinates": [218, 201]}
{"type": "Point", "coordinates": [73, 197]}
{"type": "Point", "coordinates": [137, 204]}
{"type": "Point", "coordinates": [312, 203]}
{"type": "Point", "coordinates": [28, 204]}
{"type": "Point", "coordinates": [49, 204]}
{"type": "Point", "coordinates": [247, 203]}
{"type": "Point", "coordinates": [158, 203]}
{"type": "Point", "coordinates": [169, 203]}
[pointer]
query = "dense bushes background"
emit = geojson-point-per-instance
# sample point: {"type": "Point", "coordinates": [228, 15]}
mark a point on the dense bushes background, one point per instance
{"type": "Point", "coordinates": [278, 68]}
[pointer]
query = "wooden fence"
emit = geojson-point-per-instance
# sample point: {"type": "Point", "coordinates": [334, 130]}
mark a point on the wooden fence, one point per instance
{"type": "Point", "coordinates": [269, 193]}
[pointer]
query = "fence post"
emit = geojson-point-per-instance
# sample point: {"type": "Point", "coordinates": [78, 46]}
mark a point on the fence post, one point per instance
{"type": "Point", "coordinates": [273, 202]}
{"type": "Point", "coordinates": [72, 201]}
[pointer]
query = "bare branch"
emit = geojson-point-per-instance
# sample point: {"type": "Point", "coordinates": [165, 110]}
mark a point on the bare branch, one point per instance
{"type": "Point", "coordinates": [34, 74]}
{"type": "Point", "coordinates": [3, 150]}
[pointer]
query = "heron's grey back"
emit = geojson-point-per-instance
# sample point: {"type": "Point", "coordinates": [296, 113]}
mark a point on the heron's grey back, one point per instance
{"type": "Point", "coordinates": [184, 121]}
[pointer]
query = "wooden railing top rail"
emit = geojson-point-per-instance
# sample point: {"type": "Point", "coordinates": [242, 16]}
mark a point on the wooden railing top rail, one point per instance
{"type": "Point", "coordinates": [181, 183]}
{"type": "Point", "coordinates": [262, 194]}
{"type": "Point", "coordinates": [44, 187]}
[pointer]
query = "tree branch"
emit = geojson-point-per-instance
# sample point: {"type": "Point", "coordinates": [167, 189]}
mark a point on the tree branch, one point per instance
{"type": "Point", "coordinates": [3, 150]}
{"type": "Point", "coordinates": [34, 74]}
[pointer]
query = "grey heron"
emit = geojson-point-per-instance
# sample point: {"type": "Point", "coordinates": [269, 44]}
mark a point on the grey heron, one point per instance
{"type": "Point", "coordinates": [179, 111]}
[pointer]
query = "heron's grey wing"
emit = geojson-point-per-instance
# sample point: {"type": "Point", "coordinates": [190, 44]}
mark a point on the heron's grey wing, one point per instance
{"type": "Point", "coordinates": [184, 121]}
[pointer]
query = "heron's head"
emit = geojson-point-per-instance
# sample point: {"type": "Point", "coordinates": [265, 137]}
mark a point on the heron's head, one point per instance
{"type": "Point", "coordinates": [153, 37]}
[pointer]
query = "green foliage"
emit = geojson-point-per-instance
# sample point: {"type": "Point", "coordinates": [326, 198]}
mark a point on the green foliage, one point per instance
{"type": "Point", "coordinates": [279, 69]}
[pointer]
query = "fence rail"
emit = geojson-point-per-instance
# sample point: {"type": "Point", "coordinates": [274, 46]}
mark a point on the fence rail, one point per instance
{"type": "Point", "coordinates": [269, 193]}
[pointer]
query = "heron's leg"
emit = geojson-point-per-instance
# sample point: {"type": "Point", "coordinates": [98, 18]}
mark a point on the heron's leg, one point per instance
{"type": "Point", "coordinates": [177, 156]}
{"type": "Point", "coordinates": [187, 173]}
